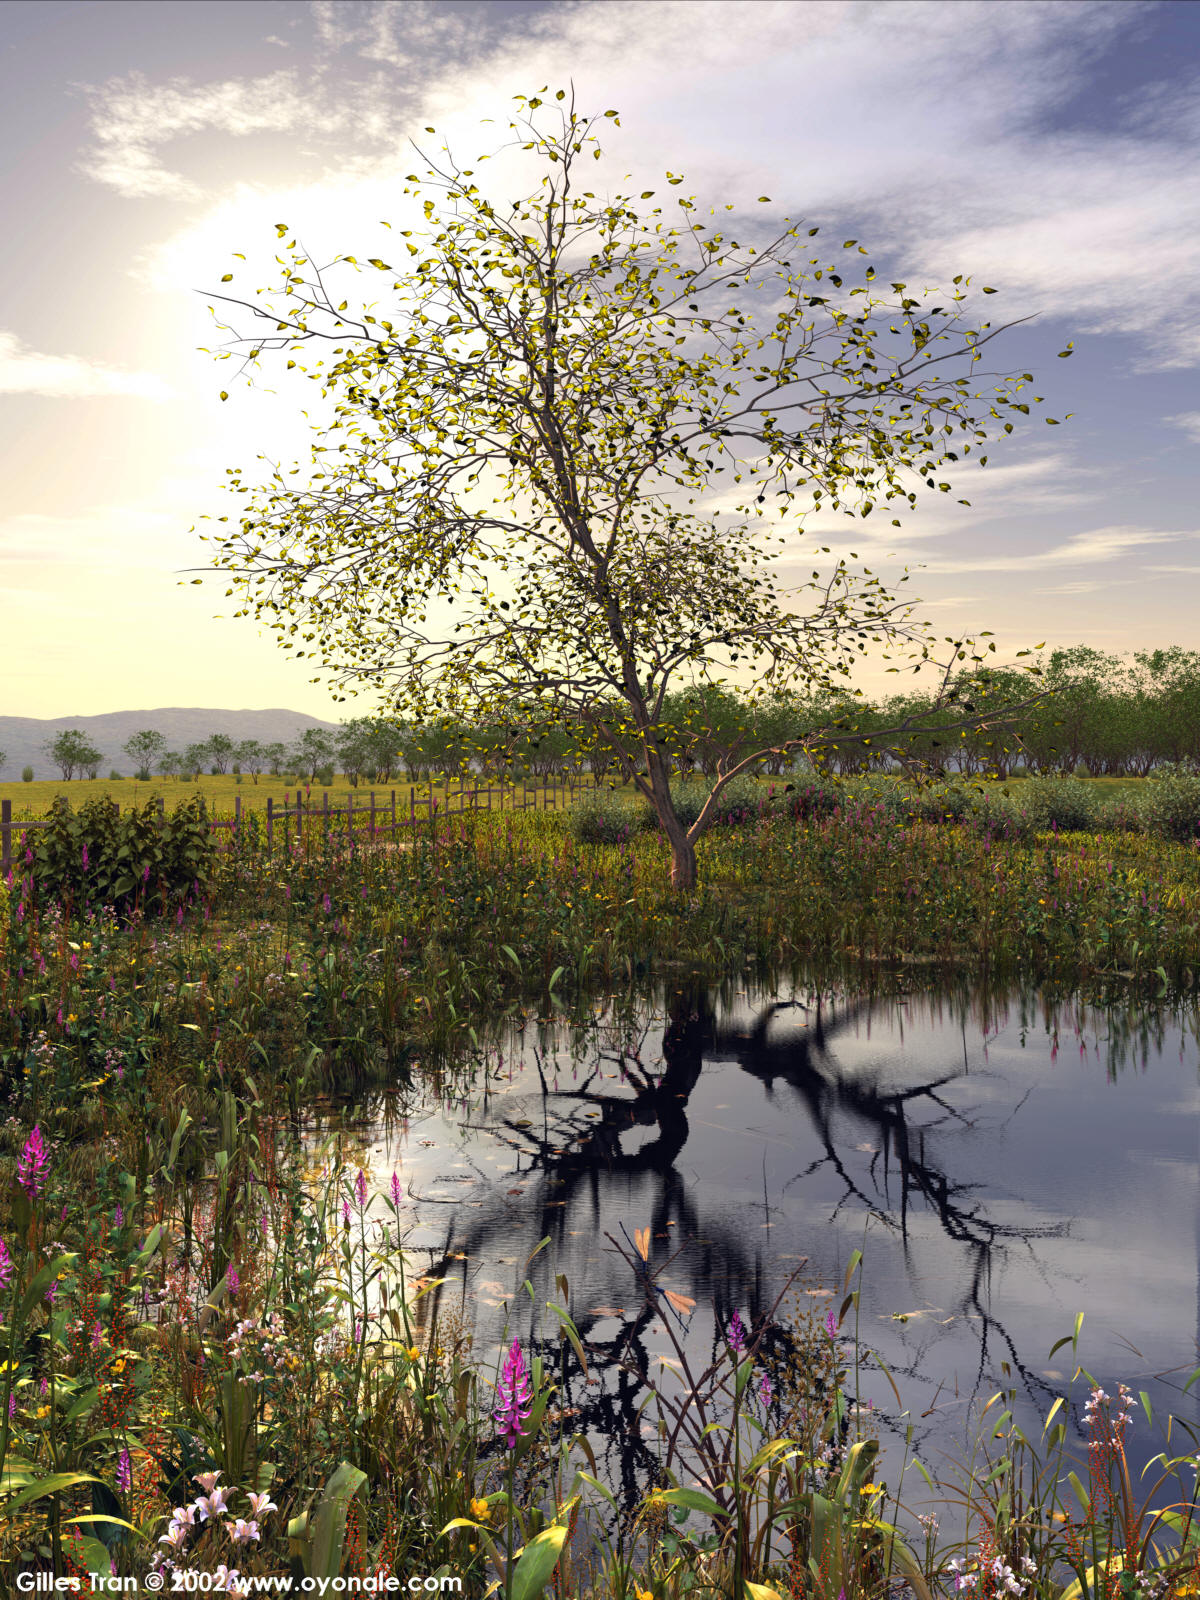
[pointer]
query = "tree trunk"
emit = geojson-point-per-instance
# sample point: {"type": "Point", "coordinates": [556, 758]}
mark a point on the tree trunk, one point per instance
{"type": "Point", "coordinates": [683, 863]}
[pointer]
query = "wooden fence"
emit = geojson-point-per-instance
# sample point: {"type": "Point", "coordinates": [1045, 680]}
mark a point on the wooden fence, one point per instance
{"type": "Point", "coordinates": [371, 816]}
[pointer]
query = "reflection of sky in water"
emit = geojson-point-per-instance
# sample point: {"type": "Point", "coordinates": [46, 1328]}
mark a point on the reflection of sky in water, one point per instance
{"type": "Point", "coordinates": [996, 1186]}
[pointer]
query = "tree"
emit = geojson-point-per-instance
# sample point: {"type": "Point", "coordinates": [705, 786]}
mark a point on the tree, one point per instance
{"type": "Point", "coordinates": [526, 438]}
{"type": "Point", "coordinates": [144, 749]}
{"type": "Point", "coordinates": [312, 750]}
{"type": "Point", "coordinates": [275, 754]}
{"type": "Point", "coordinates": [170, 763]}
{"type": "Point", "coordinates": [72, 751]}
{"type": "Point", "coordinates": [3, 758]}
{"type": "Point", "coordinates": [250, 756]}
{"type": "Point", "coordinates": [218, 753]}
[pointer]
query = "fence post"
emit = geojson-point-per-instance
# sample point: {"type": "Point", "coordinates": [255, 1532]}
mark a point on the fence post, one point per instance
{"type": "Point", "coordinates": [350, 818]}
{"type": "Point", "coordinates": [325, 814]}
{"type": "Point", "coordinates": [393, 815]}
{"type": "Point", "coordinates": [237, 812]}
{"type": "Point", "coordinates": [270, 822]}
{"type": "Point", "coordinates": [299, 818]}
{"type": "Point", "coordinates": [412, 807]}
{"type": "Point", "coordinates": [372, 816]}
{"type": "Point", "coordinates": [162, 810]}
{"type": "Point", "coordinates": [5, 837]}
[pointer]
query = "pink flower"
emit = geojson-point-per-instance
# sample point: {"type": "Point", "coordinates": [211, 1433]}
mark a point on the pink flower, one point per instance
{"type": "Point", "coordinates": [233, 1280]}
{"type": "Point", "coordinates": [206, 1480]}
{"type": "Point", "coordinates": [515, 1396]}
{"type": "Point", "coordinates": [360, 1189]}
{"type": "Point", "coordinates": [736, 1334]}
{"type": "Point", "coordinates": [242, 1531]}
{"type": "Point", "coordinates": [6, 1266]}
{"type": "Point", "coordinates": [212, 1505]}
{"type": "Point", "coordinates": [397, 1190]}
{"type": "Point", "coordinates": [31, 1170]}
{"type": "Point", "coordinates": [124, 1472]}
{"type": "Point", "coordinates": [260, 1504]}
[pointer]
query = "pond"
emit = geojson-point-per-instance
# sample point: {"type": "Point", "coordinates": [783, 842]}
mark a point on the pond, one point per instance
{"type": "Point", "coordinates": [1002, 1165]}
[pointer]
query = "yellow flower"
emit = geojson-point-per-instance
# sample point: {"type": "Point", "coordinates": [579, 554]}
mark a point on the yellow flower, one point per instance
{"type": "Point", "coordinates": [870, 1488]}
{"type": "Point", "coordinates": [413, 1353]}
{"type": "Point", "coordinates": [644, 1594]}
{"type": "Point", "coordinates": [480, 1510]}
{"type": "Point", "coordinates": [42, 1411]}
{"type": "Point", "coordinates": [71, 1017]}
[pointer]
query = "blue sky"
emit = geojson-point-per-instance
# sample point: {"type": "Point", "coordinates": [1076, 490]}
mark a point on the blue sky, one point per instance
{"type": "Point", "coordinates": [1052, 150]}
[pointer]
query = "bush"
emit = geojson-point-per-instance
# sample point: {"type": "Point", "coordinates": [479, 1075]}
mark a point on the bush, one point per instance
{"type": "Point", "coordinates": [1169, 804]}
{"type": "Point", "coordinates": [741, 799]}
{"type": "Point", "coordinates": [1062, 803]}
{"type": "Point", "coordinates": [603, 817]}
{"type": "Point", "coordinates": [324, 775]}
{"type": "Point", "coordinates": [115, 777]}
{"type": "Point", "coordinates": [27, 775]}
{"type": "Point", "coordinates": [100, 856]}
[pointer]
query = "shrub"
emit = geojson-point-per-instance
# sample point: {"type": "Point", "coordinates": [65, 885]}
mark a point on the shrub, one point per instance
{"type": "Point", "coordinates": [1062, 803]}
{"type": "Point", "coordinates": [115, 777]}
{"type": "Point", "coordinates": [100, 856]}
{"type": "Point", "coordinates": [739, 800]}
{"type": "Point", "coordinates": [324, 775]}
{"type": "Point", "coordinates": [603, 817]}
{"type": "Point", "coordinates": [1169, 804]}
{"type": "Point", "coordinates": [27, 775]}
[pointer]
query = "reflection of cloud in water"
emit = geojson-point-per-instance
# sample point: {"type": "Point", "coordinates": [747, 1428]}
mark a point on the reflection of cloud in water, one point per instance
{"type": "Point", "coordinates": [1006, 1169]}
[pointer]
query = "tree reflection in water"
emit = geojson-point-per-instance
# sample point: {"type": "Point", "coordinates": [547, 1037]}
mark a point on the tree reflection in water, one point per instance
{"type": "Point", "coordinates": [618, 1142]}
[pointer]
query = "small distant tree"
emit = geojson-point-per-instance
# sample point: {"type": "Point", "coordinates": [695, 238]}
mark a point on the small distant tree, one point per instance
{"type": "Point", "coordinates": [313, 750]}
{"type": "Point", "coordinates": [170, 763]}
{"type": "Point", "coordinates": [353, 745]}
{"type": "Point", "coordinates": [144, 750]}
{"type": "Point", "coordinates": [218, 749]}
{"type": "Point", "coordinates": [194, 758]}
{"type": "Point", "coordinates": [72, 751]}
{"type": "Point", "coordinates": [3, 759]}
{"type": "Point", "coordinates": [534, 435]}
{"type": "Point", "coordinates": [250, 756]}
{"type": "Point", "coordinates": [274, 755]}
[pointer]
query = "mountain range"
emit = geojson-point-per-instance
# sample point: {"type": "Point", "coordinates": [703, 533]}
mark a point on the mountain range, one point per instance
{"type": "Point", "coordinates": [22, 739]}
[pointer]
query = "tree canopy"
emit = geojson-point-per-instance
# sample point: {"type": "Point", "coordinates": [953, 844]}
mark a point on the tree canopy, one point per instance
{"type": "Point", "coordinates": [564, 467]}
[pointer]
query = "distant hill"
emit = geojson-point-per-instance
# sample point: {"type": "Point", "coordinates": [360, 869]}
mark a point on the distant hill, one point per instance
{"type": "Point", "coordinates": [22, 738]}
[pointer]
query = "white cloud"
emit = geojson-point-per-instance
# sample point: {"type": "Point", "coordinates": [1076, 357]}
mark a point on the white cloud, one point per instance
{"type": "Point", "coordinates": [24, 371]}
{"type": "Point", "coordinates": [1189, 421]}
{"type": "Point", "coordinates": [1095, 546]}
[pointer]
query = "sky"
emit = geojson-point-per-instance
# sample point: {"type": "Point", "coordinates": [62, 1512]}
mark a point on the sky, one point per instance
{"type": "Point", "coordinates": [1051, 150]}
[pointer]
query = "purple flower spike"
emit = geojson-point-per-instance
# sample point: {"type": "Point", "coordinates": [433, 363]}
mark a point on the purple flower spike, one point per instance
{"type": "Point", "coordinates": [736, 1334]}
{"type": "Point", "coordinates": [397, 1190]}
{"type": "Point", "coordinates": [360, 1189]}
{"type": "Point", "coordinates": [124, 1472]}
{"type": "Point", "coordinates": [31, 1170]}
{"type": "Point", "coordinates": [515, 1397]}
{"type": "Point", "coordinates": [765, 1391]}
{"type": "Point", "coordinates": [831, 1326]}
{"type": "Point", "coordinates": [6, 1266]}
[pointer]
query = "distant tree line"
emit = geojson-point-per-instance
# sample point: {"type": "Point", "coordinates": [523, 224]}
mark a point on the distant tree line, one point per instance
{"type": "Point", "coordinates": [1103, 715]}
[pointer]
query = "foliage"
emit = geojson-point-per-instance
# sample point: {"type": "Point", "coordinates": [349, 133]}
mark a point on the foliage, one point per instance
{"type": "Point", "coordinates": [603, 817]}
{"type": "Point", "coordinates": [525, 437]}
{"type": "Point", "coordinates": [145, 750]}
{"type": "Point", "coordinates": [72, 751]}
{"type": "Point", "coordinates": [127, 860]}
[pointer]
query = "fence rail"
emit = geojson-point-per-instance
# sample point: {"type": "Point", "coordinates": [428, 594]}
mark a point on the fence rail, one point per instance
{"type": "Point", "coordinates": [375, 815]}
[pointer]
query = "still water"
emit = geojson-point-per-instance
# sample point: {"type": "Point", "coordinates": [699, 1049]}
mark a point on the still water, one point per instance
{"type": "Point", "coordinates": [1002, 1166]}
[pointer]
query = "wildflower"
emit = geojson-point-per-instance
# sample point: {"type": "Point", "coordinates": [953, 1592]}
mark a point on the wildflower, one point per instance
{"type": "Point", "coordinates": [260, 1504]}
{"type": "Point", "coordinates": [12, 1405]}
{"type": "Point", "coordinates": [413, 1353]}
{"type": "Point", "coordinates": [515, 1396]}
{"type": "Point", "coordinates": [118, 1218]}
{"type": "Point", "coordinates": [480, 1510]}
{"type": "Point", "coordinates": [52, 1291]}
{"type": "Point", "coordinates": [360, 1189]}
{"type": "Point", "coordinates": [831, 1325]}
{"type": "Point", "coordinates": [736, 1334]}
{"type": "Point", "coordinates": [765, 1391]}
{"type": "Point", "coordinates": [346, 1212]}
{"type": "Point", "coordinates": [175, 1536]}
{"type": "Point", "coordinates": [206, 1480]}
{"type": "Point", "coordinates": [6, 1266]}
{"type": "Point", "coordinates": [124, 1472]}
{"type": "Point", "coordinates": [397, 1190]}
{"type": "Point", "coordinates": [242, 1531]}
{"type": "Point", "coordinates": [31, 1169]}
{"type": "Point", "coordinates": [233, 1280]}
{"type": "Point", "coordinates": [212, 1505]}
